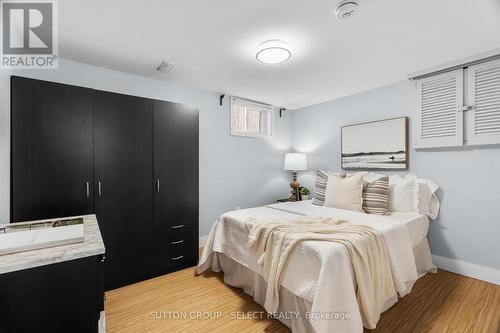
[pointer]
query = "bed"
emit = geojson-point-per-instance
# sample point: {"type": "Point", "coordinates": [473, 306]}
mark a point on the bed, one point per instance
{"type": "Point", "coordinates": [317, 292]}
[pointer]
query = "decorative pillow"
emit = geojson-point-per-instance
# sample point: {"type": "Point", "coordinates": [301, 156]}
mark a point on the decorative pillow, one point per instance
{"type": "Point", "coordinates": [320, 186]}
{"type": "Point", "coordinates": [402, 193]}
{"type": "Point", "coordinates": [376, 196]}
{"type": "Point", "coordinates": [344, 193]}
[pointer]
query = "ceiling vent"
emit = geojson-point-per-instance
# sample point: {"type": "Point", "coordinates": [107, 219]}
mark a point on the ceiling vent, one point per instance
{"type": "Point", "coordinates": [346, 9]}
{"type": "Point", "coordinates": [166, 67]}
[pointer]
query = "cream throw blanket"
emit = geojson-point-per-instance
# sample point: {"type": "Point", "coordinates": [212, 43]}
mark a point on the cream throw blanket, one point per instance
{"type": "Point", "coordinates": [274, 240]}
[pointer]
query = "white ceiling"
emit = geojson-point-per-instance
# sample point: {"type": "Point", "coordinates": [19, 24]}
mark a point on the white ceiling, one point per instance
{"type": "Point", "coordinates": [213, 42]}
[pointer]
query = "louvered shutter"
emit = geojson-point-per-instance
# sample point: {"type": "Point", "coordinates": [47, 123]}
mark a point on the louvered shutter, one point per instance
{"type": "Point", "coordinates": [438, 123]}
{"type": "Point", "coordinates": [484, 95]}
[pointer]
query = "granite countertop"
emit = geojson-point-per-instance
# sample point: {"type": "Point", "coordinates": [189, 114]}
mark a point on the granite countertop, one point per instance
{"type": "Point", "coordinates": [91, 246]}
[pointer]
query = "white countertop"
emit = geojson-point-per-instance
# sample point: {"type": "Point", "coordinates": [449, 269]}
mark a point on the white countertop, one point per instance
{"type": "Point", "coordinates": [93, 245]}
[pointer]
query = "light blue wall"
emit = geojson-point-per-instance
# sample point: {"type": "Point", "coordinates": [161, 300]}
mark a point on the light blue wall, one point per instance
{"type": "Point", "coordinates": [468, 227]}
{"type": "Point", "coordinates": [234, 171]}
{"type": "Point", "coordinates": [245, 172]}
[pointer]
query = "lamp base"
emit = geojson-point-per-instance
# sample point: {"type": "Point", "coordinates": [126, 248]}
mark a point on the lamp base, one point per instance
{"type": "Point", "coordinates": [294, 193]}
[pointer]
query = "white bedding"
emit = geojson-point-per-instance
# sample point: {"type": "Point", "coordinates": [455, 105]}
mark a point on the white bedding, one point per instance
{"type": "Point", "coordinates": [417, 225]}
{"type": "Point", "coordinates": [320, 272]}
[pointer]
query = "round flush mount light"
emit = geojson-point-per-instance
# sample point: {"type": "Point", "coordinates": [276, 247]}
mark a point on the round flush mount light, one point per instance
{"type": "Point", "coordinates": [273, 51]}
{"type": "Point", "coordinates": [346, 9]}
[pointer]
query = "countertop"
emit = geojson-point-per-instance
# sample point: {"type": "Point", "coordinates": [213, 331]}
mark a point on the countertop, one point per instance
{"type": "Point", "coordinates": [91, 246]}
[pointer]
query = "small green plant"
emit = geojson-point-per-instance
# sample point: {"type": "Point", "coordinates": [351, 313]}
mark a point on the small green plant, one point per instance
{"type": "Point", "coordinates": [304, 190]}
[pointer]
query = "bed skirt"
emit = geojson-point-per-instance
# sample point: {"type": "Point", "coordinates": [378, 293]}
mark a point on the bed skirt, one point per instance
{"type": "Point", "coordinates": [294, 311]}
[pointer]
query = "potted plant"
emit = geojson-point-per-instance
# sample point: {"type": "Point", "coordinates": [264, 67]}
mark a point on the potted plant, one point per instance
{"type": "Point", "coordinates": [304, 193]}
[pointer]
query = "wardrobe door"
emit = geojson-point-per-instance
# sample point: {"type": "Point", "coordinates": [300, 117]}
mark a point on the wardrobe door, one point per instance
{"type": "Point", "coordinates": [123, 167]}
{"type": "Point", "coordinates": [51, 147]}
{"type": "Point", "coordinates": [176, 190]}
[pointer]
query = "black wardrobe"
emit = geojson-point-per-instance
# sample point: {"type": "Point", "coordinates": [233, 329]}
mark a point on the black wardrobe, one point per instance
{"type": "Point", "coordinates": [132, 161]}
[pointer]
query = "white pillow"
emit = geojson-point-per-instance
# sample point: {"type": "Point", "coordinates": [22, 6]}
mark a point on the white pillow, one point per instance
{"type": "Point", "coordinates": [345, 193]}
{"type": "Point", "coordinates": [402, 190]}
{"type": "Point", "coordinates": [403, 193]}
{"type": "Point", "coordinates": [427, 202]}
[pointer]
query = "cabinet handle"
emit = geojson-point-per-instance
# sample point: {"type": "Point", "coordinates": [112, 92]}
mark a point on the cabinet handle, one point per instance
{"type": "Point", "coordinates": [87, 187]}
{"type": "Point", "coordinates": [178, 242]}
{"type": "Point", "coordinates": [177, 226]}
{"type": "Point", "coordinates": [157, 186]}
{"type": "Point", "coordinates": [177, 258]}
{"type": "Point", "coordinates": [99, 188]}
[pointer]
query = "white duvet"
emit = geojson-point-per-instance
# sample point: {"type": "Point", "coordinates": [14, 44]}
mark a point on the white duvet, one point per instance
{"type": "Point", "coordinates": [320, 272]}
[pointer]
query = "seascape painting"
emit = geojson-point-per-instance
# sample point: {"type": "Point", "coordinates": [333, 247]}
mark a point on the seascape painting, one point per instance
{"type": "Point", "coordinates": [376, 145]}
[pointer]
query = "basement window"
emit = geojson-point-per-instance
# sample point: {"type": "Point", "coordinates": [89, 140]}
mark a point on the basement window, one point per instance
{"type": "Point", "coordinates": [249, 118]}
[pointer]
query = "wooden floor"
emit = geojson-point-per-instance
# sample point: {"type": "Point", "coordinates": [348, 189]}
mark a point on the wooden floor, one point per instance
{"type": "Point", "coordinates": [442, 302]}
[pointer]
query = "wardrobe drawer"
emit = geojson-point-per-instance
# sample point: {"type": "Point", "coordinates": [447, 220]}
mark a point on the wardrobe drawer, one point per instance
{"type": "Point", "coordinates": [180, 254]}
{"type": "Point", "coordinates": [173, 241]}
{"type": "Point", "coordinates": [180, 230]}
{"type": "Point", "coordinates": [179, 244]}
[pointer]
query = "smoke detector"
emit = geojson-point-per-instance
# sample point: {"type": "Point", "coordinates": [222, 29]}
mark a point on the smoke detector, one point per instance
{"type": "Point", "coordinates": [345, 9]}
{"type": "Point", "coordinates": [166, 67]}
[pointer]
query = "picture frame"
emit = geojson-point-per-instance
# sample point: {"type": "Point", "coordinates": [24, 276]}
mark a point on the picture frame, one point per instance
{"type": "Point", "coordinates": [375, 145]}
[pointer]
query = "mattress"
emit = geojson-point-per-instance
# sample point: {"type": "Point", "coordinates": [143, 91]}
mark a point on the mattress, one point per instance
{"type": "Point", "coordinates": [417, 225]}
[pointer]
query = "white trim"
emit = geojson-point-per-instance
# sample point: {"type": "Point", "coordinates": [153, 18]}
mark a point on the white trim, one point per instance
{"type": "Point", "coordinates": [202, 241]}
{"type": "Point", "coordinates": [449, 66]}
{"type": "Point", "coordinates": [235, 99]}
{"type": "Point", "coordinates": [483, 273]}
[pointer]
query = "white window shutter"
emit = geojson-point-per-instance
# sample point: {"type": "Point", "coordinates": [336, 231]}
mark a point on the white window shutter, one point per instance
{"type": "Point", "coordinates": [438, 122]}
{"type": "Point", "coordinates": [484, 95]}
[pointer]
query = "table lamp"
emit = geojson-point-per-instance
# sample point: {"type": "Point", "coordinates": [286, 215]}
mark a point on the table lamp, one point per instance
{"type": "Point", "coordinates": [295, 162]}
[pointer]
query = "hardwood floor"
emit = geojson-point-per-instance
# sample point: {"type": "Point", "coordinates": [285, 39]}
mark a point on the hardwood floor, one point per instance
{"type": "Point", "coordinates": [445, 302]}
{"type": "Point", "coordinates": [442, 302]}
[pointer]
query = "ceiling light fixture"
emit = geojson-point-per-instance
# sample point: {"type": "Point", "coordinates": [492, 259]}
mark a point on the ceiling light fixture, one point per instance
{"type": "Point", "coordinates": [345, 9]}
{"type": "Point", "coordinates": [273, 51]}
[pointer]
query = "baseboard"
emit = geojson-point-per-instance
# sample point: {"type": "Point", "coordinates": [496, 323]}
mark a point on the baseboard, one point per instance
{"type": "Point", "coordinates": [471, 270]}
{"type": "Point", "coordinates": [203, 241]}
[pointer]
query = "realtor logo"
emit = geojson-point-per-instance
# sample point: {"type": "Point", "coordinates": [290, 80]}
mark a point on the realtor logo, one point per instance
{"type": "Point", "coordinates": [29, 34]}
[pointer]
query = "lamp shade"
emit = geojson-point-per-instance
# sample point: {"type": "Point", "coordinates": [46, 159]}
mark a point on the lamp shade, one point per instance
{"type": "Point", "coordinates": [295, 161]}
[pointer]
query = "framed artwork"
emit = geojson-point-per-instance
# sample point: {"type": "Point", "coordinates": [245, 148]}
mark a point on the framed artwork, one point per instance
{"type": "Point", "coordinates": [375, 145]}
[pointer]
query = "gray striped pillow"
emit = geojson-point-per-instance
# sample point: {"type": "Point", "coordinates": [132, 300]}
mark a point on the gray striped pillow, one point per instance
{"type": "Point", "coordinates": [376, 196]}
{"type": "Point", "coordinates": [320, 187]}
